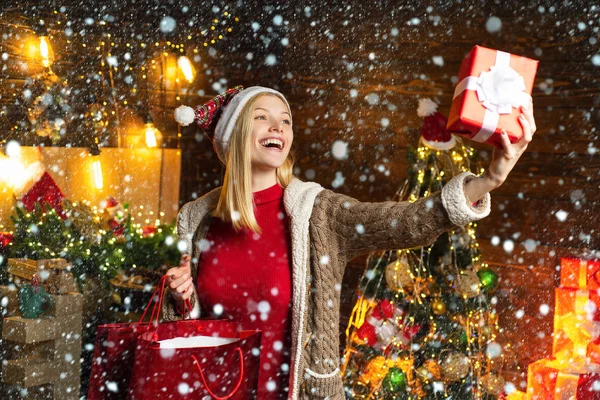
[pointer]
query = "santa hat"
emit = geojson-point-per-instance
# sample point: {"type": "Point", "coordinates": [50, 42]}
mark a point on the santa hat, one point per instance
{"type": "Point", "coordinates": [218, 116]}
{"type": "Point", "coordinates": [39, 187]}
{"type": "Point", "coordinates": [433, 131]}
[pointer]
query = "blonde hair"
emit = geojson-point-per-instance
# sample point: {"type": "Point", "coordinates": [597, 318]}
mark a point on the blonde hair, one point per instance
{"type": "Point", "coordinates": [236, 202]}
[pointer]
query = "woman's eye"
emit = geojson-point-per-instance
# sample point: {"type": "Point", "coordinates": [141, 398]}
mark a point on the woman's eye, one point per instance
{"type": "Point", "coordinates": [260, 117]}
{"type": "Point", "coordinates": [287, 122]}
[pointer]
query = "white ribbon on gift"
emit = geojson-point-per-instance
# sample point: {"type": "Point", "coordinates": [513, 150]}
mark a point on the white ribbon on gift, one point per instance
{"type": "Point", "coordinates": [499, 90]}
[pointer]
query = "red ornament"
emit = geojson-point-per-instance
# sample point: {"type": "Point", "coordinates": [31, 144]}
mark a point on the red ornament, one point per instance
{"type": "Point", "coordinates": [367, 334]}
{"type": "Point", "coordinates": [117, 229]}
{"type": "Point", "coordinates": [111, 202]}
{"type": "Point", "coordinates": [383, 310]}
{"type": "Point", "coordinates": [5, 239]}
{"type": "Point", "coordinates": [149, 230]}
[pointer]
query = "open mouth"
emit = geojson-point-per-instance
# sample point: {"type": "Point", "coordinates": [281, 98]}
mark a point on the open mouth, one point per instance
{"type": "Point", "coordinates": [272, 144]}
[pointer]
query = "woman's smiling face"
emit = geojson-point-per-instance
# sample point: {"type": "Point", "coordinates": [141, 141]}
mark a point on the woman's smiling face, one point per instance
{"type": "Point", "coordinates": [272, 134]}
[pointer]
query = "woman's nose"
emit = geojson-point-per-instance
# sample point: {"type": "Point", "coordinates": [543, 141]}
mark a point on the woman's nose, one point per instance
{"type": "Point", "coordinates": [277, 126]}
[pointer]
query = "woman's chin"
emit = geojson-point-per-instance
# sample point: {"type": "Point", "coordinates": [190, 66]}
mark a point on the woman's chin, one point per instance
{"type": "Point", "coordinates": [266, 165]}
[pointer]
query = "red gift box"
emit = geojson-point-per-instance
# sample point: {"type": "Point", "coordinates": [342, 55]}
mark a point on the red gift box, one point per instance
{"type": "Point", "coordinates": [593, 351]}
{"type": "Point", "coordinates": [492, 86]}
{"type": "Point", "coordinates": [551, 379]}
{"type": "Point", "coordinates": [579, 274]}
{"type": "Point", "coordinates": [584, 303]}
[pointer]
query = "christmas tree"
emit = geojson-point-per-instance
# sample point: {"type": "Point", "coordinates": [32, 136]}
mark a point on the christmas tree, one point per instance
{"type": "Point", "coordinates": [424, 326]}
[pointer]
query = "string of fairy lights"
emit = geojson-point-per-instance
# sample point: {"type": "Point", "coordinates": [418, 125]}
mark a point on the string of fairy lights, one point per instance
{"type": "Point", "coordinates": [115, 63]}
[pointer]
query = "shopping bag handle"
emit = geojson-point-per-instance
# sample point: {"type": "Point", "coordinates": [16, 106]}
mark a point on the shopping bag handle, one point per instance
{"type": "Point", "coordinates": [236, 386]}
{"type": "Point", "coordinates": [160, 292]}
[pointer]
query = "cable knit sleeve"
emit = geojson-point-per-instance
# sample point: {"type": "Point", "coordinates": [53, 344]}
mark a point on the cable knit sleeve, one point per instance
{"type": "Point", "coordinates": [183, 230]}
{"type": "Point", "coordinates": [362, 227]}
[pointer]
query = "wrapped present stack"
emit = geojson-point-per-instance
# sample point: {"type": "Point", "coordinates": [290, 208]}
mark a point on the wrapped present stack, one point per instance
{"type": "Point", "coordinates": [573, 372]}
{"type": "Point", "coordinates": [42, 354]}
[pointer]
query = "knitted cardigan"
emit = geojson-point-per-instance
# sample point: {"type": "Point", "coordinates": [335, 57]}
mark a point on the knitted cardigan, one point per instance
{"type": "Point", "coordinates": [328, 230]}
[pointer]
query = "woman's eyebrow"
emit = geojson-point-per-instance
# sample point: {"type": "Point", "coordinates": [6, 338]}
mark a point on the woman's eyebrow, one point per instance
{"type": "Point", "coordinates": [264, 109]}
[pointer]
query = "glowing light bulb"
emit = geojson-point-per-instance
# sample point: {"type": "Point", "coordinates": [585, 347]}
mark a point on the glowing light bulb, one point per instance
{"type": "Point", "coordinates": [97, 172]}
{"type": "Point", "coordinates": [186, 67]}
{"type": "Point", "coordinates": [46, 52]}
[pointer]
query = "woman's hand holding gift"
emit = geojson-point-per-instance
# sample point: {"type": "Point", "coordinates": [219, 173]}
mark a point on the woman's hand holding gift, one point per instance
{"type": "Point", "coordinates": [503, 160]}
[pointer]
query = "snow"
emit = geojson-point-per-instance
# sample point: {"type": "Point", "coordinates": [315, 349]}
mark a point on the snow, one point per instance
{"type": "Point", "coordinates": [493, 24]}
{"type": "Point", "coordinates": [339, 150]}
{"type": "Point", "coordinates": [561, 215]}
{"type": "Point", "coordinates": [168, 24]}
{"type": "Point", "coordinates": [218, 309]}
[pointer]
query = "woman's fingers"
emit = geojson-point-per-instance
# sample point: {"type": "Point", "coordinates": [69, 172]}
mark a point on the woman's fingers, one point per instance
{"type": "Point", "coordinates": [188, 292]}
{"type": "Point", "coordinates": [505, 140]}
{"type": "Point", "coordinates": [527, 131]}
{"type": "Point", "coordinates": [528, 112]}
{"type": "Point", "coordinates": [180, 279]}
{"type": "Point", "coordinates": [183, 291]}
{"type": "Point", "coordinates": [184, 286]}
{"type": "Point", "coordinates": [185, 260]}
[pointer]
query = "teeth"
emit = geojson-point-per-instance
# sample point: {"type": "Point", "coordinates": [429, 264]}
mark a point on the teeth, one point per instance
{"type": "Point", "coordinates": [277, 142]}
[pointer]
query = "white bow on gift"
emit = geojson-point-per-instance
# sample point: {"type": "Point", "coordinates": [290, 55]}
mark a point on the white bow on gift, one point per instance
{"type": "Point", "coordinates": [499, 90]}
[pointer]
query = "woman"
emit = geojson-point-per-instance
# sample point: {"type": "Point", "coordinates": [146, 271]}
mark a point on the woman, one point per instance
{"type": "Point", "coordinates": [269, 250]}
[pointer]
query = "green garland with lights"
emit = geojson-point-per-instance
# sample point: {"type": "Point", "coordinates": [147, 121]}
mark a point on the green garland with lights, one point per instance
{"type": "Point", "coordinates": [42, 234]}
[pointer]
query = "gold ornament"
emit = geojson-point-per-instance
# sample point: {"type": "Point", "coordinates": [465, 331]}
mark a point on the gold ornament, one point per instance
{"type": "Point", "coordinates": [83, 218]}
{"type": "Point", "coordinates": [360, 390]}
{"type": "Point", "coordinates": [468, 284]}
{"type": "Point", "coordinates": [492, 384]}
{"type": "Point", "coordinates": [455, 366]}
{"type": "Point", "coordinates": [438, 306]}
{"type": "Point", "coordinates": [430, 370]}
{"type": "Point", "coordinates": [375, 370]}
{"type": "Point", "coordinates": [398, 274]}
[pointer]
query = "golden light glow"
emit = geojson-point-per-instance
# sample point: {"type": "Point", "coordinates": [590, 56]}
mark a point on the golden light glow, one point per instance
{"type": "Point", "coordinates": [97, 173]}
{"type": "Point", "coordinates": [186, 68]}
{"type": "Point", "coordinates": [46, 52]}
{"type": "Point", "coordinates": [12, 172]}
{"type": "Point", "coordinates": [152, 134]}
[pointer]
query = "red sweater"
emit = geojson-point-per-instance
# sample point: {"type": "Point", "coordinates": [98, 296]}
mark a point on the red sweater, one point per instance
{"type": "Point", "coordinates": [248, 277]}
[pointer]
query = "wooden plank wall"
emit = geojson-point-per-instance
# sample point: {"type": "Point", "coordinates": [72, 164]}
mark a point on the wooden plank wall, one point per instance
{"type": "Point", "coordinates": [341, 56]}
{"type": "Point", "coordinates": [348, 67]}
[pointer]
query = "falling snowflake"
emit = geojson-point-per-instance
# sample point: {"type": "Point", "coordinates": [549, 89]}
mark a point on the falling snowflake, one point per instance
{"type": "Point", "coordinates": [493, 24]}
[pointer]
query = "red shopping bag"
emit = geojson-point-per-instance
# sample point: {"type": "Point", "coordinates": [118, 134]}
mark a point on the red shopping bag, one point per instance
{"type": "Point", "coordinates": [227, 369]}
{"type": "Point", "coordinates": [114, 351]}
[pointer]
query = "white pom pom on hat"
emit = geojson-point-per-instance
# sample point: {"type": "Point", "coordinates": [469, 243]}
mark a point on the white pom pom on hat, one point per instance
{"type": "Point", "coordinates": [426, 108]}
{"type": "Point", "coordinates": [184, 115]}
